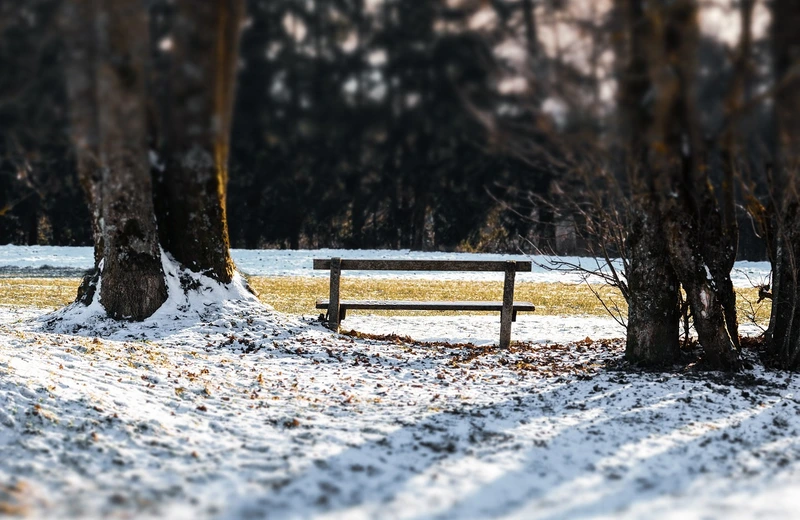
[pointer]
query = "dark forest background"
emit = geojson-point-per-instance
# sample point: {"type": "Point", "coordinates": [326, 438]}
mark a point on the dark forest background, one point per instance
{"type": "Point", "coordinates": [425, 124]}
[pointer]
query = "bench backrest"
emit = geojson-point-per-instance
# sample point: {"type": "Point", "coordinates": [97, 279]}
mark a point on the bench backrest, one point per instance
{"type": "Point", "coordinates": [423, 265]}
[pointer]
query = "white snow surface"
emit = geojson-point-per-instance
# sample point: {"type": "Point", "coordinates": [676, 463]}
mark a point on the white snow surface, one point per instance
{"type": "Point", "coordinates": [277, 262]}
{"type": "Point", "coordinates": [219, 407]}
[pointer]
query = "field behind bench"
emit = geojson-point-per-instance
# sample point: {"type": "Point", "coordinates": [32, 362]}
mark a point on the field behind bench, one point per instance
{"type": "Point", "coordinates": [297, 295]}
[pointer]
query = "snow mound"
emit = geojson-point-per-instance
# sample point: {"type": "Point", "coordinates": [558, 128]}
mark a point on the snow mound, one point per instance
{"type": "Point", "coordinates": [191, 298]}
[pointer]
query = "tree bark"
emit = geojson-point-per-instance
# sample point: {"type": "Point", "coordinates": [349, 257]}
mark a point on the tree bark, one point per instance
{"type": "Point", "coordinates": [699, 248]}
{"type": "Point", "coordinates": [78, 26]}
{"type": "Point", "coordinates": [653, 306]}
{"type": "Point", "coordinates": [106, 63]}
{"type": "Point", "coordinates": [193, 123]}
{"type": "Point", "coordinates": [133, 285]}
{"type": "Point", "coordinates": [784, 332]}
{"type": "Point", "coordinates": [108, 50]}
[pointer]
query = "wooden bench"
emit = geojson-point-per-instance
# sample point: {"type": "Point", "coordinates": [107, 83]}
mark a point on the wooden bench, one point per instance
{"type": "Point", "coordinates": [508, 308]}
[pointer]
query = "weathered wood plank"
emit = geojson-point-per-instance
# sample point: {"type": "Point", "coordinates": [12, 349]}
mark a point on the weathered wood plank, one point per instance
{"type": "Point", "coordinates": [422, 265]}
{"type": "Point", "coordinates": [411, 305]}
{"type": "Point", "coordinates": [333, 304]}
{"type": "Point", "coordinates": [507, 313]}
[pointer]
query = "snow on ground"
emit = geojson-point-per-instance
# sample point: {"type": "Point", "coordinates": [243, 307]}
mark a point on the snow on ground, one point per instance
{"type": "Point", "coordinates": [230, 410]}
{"type": "Point", "coordinates": [72, 261]}
{"type": "Point", "coordinates": [218, 407]}
{"type": "Point", "coordinates": [485, 330]}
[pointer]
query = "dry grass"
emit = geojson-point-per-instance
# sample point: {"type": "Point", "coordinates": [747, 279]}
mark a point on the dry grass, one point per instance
{"type": "Point", "coordinates": [298, 295]}
{"type": "Point", "coordinates": [38, 292]}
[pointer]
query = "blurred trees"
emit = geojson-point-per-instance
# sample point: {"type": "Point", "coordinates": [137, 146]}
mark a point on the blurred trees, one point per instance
{"type": "Point", "coordinates": [357, 123]}
{"type": "Point", "coordinates": [352, 126]}
{"type": "Point", "coordinates": [372, 123]}
{"type": "Point", "coordinates": [40, 198]}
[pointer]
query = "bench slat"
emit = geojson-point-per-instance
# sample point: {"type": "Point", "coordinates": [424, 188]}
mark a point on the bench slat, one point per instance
{"type": "Point", "coordinates": [398, 305]}
{"type": "Point", "coordinates": [423, 265]}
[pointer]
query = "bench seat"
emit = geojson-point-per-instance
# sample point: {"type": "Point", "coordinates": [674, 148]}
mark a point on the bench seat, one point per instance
{"type": "Point", "coordinates": [410, 305]}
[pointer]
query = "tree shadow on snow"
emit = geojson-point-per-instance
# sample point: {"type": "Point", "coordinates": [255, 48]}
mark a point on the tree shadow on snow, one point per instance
{"type": "Point", "coordinates": [573, 451]}
{"type": "Point", "coordinates": [576, 449]}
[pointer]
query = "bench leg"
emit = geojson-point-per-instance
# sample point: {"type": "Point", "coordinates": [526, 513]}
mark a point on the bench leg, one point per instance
{"type": "Point", "coordinates": [506, 314]}
{"type": "Point", "coordinates": [333, 304]}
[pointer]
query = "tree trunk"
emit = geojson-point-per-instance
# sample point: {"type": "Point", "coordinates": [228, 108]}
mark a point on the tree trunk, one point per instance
{"type": "Point", "coordinates": [32, 217]}
{"type": "Point", "coordinates": [77, 25]}
{"type": "Point", "coordinates": [107, 65]}
{"type": "Point", "coordinates": [722, 265]}
{"type": "Point", "coordinates": [531, 33]}
{"type": "Point", "coordinates": [683, 238]}
{"type": "Point", "coordinates": [784, 331]}
{"type": "Point", "coordinates": [699, 247]}
{"type": "Point", "coordinates": [106, 56]}
{"type": "Point", "coordinates": [193, 126]}
{"type": "Point", "coordinates": [419, 210]}
{"type": "Point", "coordinates": [133, 284]}
{"type": "Point", "coordinates": [653, 306]}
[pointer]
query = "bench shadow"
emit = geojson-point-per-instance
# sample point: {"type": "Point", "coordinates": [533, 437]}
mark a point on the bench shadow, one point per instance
{"type": "Point", "coordinates": [610, 480]}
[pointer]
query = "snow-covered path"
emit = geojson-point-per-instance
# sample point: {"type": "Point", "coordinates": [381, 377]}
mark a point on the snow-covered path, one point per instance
{"type": "Point", "coordinates": [253, 414]}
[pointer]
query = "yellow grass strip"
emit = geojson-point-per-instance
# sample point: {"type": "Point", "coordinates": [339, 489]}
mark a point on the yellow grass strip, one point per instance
{"type": "Point", "coordinates": [297, 295]}
{"type": "Point", "coordinates": [38, 292]}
